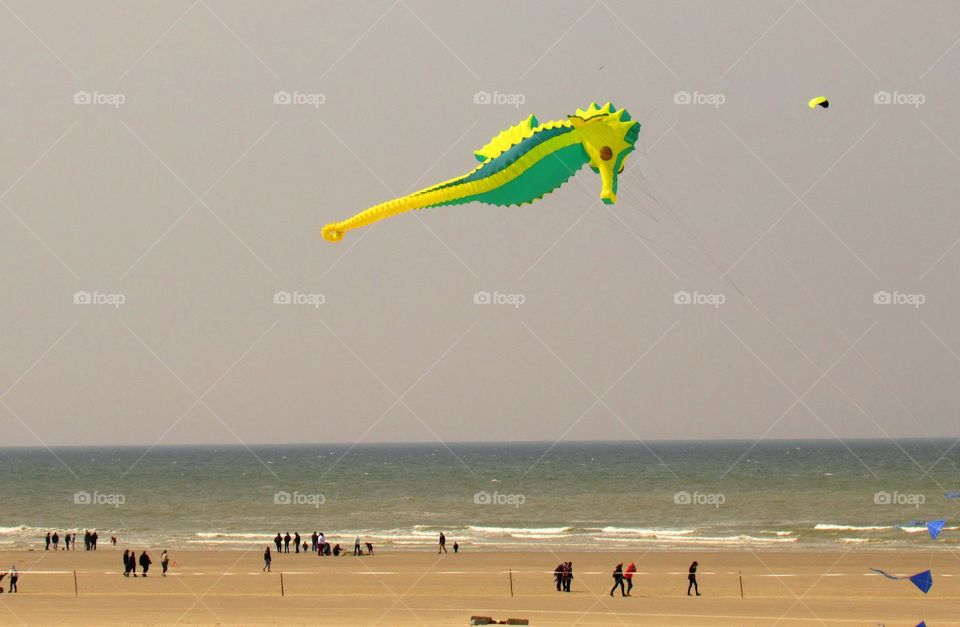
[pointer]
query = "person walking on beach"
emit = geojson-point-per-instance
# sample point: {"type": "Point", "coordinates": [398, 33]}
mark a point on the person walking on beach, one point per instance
{"type": "Point", "coordinates": [86, 540]}
{"type": "Point", "coordinates": [145, 562]}
{"type": "Point", "coordinates": [456, 547]}
{"type": "Point", "coordinates": [443, 544]}
{"type": "Point", "coordinates": [47, 547]}
{"type": "Point", "coordinates": [278, 541]}
{"type": "Point", "coordinates": [93, 541]}
{"type": "Point", "coordinates": [692, 578]}
{"type": "Point", "coordinates": [356, 546]}
{"type": "Point", "coordinates": [266, 560]}
{"type": "Point", "coordinates": [14, 577]}
{"type": "Point", "coordinates": [132, 563]}
{"type": "Point", "coordinates": [558, 575]}
{"type": "Point", "coordinates": [164, 563]}
{"type": "Point", "coordinates": [618, 580]}
{"type": "Point", "coordinates": [313, 541]}
{"type": "Point", "coordinates": [66, 542]}
{"type": "Point", "coordinates": [628, 575]}
{"type": "Point", "coordinates": [322, 544]}
{"type": "Point", "coordinates": [286, 543]}
{"type": "Point", "coordinates": [567, 576]}
{"type": "Point", "coordinates": [126, 562]}
{"type": "Point", "coordinates": [56, 540]}
{"type": "Point", "coordinates": [296, 542]}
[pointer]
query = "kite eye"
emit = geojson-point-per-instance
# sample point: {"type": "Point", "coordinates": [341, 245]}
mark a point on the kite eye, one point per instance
{"type": "Point", "coordinates": [606, 153]}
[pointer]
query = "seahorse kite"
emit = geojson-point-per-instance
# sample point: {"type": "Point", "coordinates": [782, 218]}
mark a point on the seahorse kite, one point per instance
{"type": "Point", "coordinates": [523, 164]}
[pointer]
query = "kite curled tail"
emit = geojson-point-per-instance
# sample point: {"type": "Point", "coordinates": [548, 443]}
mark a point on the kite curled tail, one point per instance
{"type": "Point", "coordinates": [524, 163]}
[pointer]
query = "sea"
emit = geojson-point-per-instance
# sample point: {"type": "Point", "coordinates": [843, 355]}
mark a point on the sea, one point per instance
{"type": "Point", "coordinates": [597, 496]}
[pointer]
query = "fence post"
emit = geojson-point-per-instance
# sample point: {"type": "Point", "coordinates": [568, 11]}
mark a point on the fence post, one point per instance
{"type": "Point", "coordinates": [511, 581]}
{"type": "Point", "coordinates": [281, 584]}
{"type": "Point", "coordinates": [740, 575]}
{"type": "Point", "coordinates": [76, 591]}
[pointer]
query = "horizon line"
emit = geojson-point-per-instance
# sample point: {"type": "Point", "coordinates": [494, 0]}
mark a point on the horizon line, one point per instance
{"type": "Point", "coordinates": [479, 443]}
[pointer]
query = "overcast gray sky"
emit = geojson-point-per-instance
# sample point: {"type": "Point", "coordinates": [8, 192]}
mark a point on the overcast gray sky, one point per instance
{"type": "Point", "coordinates": [150, 157]}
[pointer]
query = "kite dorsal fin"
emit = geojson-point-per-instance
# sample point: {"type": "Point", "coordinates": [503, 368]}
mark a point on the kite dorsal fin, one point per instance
{"type": "Point", "coordinates": [507, 138]}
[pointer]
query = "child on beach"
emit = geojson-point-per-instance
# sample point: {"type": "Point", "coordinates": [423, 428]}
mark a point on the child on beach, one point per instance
{"type": "Point", "coordinates": [164, 563]}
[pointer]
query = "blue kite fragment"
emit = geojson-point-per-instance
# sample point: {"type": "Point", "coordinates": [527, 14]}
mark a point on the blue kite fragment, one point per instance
{"type": "Point", "coordinates": [923, 581]}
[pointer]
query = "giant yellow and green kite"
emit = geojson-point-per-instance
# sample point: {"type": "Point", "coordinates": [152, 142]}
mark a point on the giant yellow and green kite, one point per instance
{"type": "Point", "coordinates": [524, 163]}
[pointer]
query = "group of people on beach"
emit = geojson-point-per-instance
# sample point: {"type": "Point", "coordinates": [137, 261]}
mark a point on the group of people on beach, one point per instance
{"type": "Point", "coordinates": [130, 561]}
{"type": "Point", "coordinates": [623, 576]}
{"type": "Point", "coordinates": [563, 573]}
{"type": "Point", "coordinates": [443, 544]}
{"type": "Point", "coordinates": [70, 541]}
{"type": "Point", "coordinates": [318, 544]}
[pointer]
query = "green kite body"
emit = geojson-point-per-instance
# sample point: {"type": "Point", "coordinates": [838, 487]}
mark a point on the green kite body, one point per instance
{"type": "Point", "coordinates": [524, 163]}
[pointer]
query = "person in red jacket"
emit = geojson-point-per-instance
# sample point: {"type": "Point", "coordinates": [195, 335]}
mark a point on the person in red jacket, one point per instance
{"type": "Point", "coordinates": [628, 575]}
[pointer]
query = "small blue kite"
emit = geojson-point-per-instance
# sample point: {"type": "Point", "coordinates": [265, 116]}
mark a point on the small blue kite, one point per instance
{"type": "Point", "coordinates": [933, 526]}
{"type": "Point", "coordinates": [923, 581]}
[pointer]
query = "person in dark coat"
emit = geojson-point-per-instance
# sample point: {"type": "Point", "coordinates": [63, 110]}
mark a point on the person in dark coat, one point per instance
{"type": "Point", "coordinates": [145, 562]}
{"type": "Point", "coordinates": [278, 541]}
{"type": "Point", "coordinates": [126, 562]}
{"type": "Point", "coordinates": [296, 542]}
{"type": "Point", "coordinates": [266, 559]}
{"type": "Point", "coordinates": [558, 575]}
{"type": "Point", "coordinates": [618, 580]}
{"type": "Point", "coordinates": [692, 578]}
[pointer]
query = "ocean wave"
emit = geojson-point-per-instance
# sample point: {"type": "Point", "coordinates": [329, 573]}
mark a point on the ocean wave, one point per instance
{"type": "Point", "coordinates": [225, 534]}
{"type": "Point", "coordinates": [716, 540]}
{"type": "Point", "coordinates": [520, 530]}
{"type": "Point", "coordinates": [859, 540]}
{"type": "Point", "coordinates": [647, 533]}
{"type": "Point", "coordinates": [779, 533]}
{"type": "Point", "coordinates": [923, 529]}
{"type": "Point", "coordinates": [830, 527]}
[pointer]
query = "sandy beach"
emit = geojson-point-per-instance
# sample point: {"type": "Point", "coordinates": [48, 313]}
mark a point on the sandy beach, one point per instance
{"type": "Point", "coordinates": [404, 588]}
